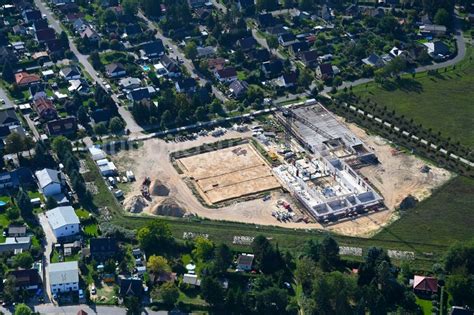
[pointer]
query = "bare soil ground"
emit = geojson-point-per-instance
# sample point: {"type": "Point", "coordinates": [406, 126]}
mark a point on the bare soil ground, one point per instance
{"type": "Point", "coordinates": [395, 178]}
{"type": "Point", "coordinates": [229, 173]}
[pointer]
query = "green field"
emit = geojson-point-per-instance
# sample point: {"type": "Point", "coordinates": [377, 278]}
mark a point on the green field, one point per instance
{"type": "Point", "coordinates": [444, 218]}
{"type": "Point", "coordinates": [443, 101]}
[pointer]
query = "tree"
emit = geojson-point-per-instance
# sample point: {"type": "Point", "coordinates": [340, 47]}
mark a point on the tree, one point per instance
{"type": "Point", "coordinates": [24, 203]}
{"type": "Point", "coordinates": [329, 254]}
{"type": "Point", "coordinates": [14, 144]}
{"type": "Point", "coordinates": [155, 237]}
{"type": "Point", "coordinates": [305, 273]}
{"type": "Point", "coordinates": [82, 116]}
{"type": "Point", "coordinates": [133, 305]}
{"type": "Point", "coordinates": [23, 309]}
{"type": "Point", "coordinates": [23, 260]}
{"type": "Point", "coordinates": [95, 61]}
{"type": "Point", "coordinates": [271, 301]}
{"type": "Point", "coordinates": [100, 129]}
{"type": "Point", "coordinates": [461, 288]}
{"type": "Point", "coordinates": [460, 257]}
{"type": "Point", "coordinates": [266, 5]}
{"type": "Point", "coordinates": [64, 40]}
{"type": "Point", "coordinates": [51, 203]}
{"type": "Point", "coordinates": [442, 17]}
{"type": "Point", "coordinates": [211, 291]}
{"type": "Point", "coordinates": [169, 293]}
{"type": "Point", "coordinates": [166, 119]}
{"type": "Point", "coordinates": [116, 125]}
{"type": "Point", "coordinates": [10, 292]}
{"type": "Point", "coordinates": [203, 248]}
{"type": "Point", "coordinates": [191, 50]}
{"type": "Point", "coordinates": [7, 73]}
{"type": "Point", "coordinates": [61, 145]}
{"type": "Point", "coordinates": [272, 42]}
{"type": "Point", "coordinates": [222, 258]}
{"type": "Point", "coordinates": [158, 264]}
{"type": "Point", "coordinates": [130, 7]}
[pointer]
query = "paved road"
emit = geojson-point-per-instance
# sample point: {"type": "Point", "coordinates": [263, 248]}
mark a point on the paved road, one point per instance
{"type": "Point", "coordinates": [72, 310]}
{"type": "Point", "coordinates": [50, 239]}
{"type": "Point", "coordinates": [8, 101]}
{"type": "Point", "coordinates": [32, 126]}
{"type": "Point", "coordinates": [82, 59]}
{"type": "Point", "coordinates": [174, 53]}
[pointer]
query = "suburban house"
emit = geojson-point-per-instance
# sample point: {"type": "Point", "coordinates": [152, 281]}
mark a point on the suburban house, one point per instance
{"type": "Point", "coordinates": [64, 277]}
{"type": "Point", "coordinates": [8, 118]}
{"type": "Point", "coordinates": [272, 68]}
{"type": "Point", "coordinates": [298, 47]}
{"type": "Point", "coordinates": [238, 88]}
{"type": "Point", "coordinates": [15, 244]}
{"type": "Point", "coordinates": [25, 79]}
{"type": "Point", "coordinates": [309, 58]}
{"type": "Point", "coordinates": [45, 35]}
{"type": "Point", "coordinates": [16, 230]}
{"type": "Point", "coordinates": [40, 25]}
{"type": "Point", "coordinates": [287, 80]}
{"type": "Point", "coordinates": [215, 64]}
{"type": "Point", "coordinates": [437, 49]}
{"type": "Point", "coordinates": [154, 49]}
{"type": "Point", "coordinates": [102, 249]}
{"type": "Point", "coordinates": [324, 71]}
{"type": "Point", "coordinates": [90, 34]}
{"type": "Point", "coordinates": [130, 83]}
{"type": "Point", "coordinates": [45, 108]}
{"type": "Point", "coordinates": [79, 85]}
{"type": "Point", "coordinates": [373, 60]}
{"type": "Point", "coordinates": [426, 286]}
{"type": "Point", "coordinates": [49, 181]}
{"type": "Point", "coordinates": [19, 177]}
{"type": "Point", "coordinates": [247, 43]}
{"type": "Point", "coordinates": [226, 75]}
{"type": "Point", "coordinates": [459, 310]}
{"type": "Point", "coordinates": [63, 221]}
{"type": "Point", "coordinates": [131, 30]}
{"type": "Point", "coordinates": [70, 73]}
{"type": "Point", "coordinates": [101, 115]}
{"type": "Point", "coordinates": [432, 30]}
{"type": "Point", "coordinates": [191, 279]}
{"type": "Point", "coordinates": [62, 126]}
{"type": "Point", "coordinates": [287, 39]}
{"type": "Point", "coordinates": [207, 51]}
{"type": "Point", "coordinates": [171, 66]}
{"type": "Point", "coordinates": [265, 20]}
{"type": "Point", "coordinates": [26, 279]}
{"type": "Point", "coordinates": [245, 261]}
{"type": "Point", "coordinates": [131, 287]}
{"type": "Point", "coordinates": [31, 16]}
{"type": "Point", "coordinates": [138, 94]}
{"type": "Point", "coordinates": [186, 85]}
{"type": "Point", "coordinates": [115, 70]}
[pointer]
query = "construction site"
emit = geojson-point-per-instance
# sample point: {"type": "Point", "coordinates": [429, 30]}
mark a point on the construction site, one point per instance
{"type": "Point", "coordinates": [324, 181]}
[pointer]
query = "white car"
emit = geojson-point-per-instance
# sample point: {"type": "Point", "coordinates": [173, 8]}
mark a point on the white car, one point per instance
{"type": "Point", "coordinates": [2, 101]}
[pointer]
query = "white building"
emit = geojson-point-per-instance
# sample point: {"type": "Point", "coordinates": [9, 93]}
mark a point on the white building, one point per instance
{"type": "Point", "coordinates": [63, 221]}
{"type": "Point", "coordinates": [49, 181]}
{"type": "Point", "coordinates": [64, 277]}
{"type": "Point", "coordinates": [97, 154]}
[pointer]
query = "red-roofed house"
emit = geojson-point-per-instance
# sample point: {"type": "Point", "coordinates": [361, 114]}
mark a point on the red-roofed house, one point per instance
{"type": "Point", "coordinates": [226, 75]}
{"type": "Point", "coordinates": [425, 285]}
{"type": "Point", "coordinates": [25, 79]}
{"type": "Point", "coordinates": [45, 108]}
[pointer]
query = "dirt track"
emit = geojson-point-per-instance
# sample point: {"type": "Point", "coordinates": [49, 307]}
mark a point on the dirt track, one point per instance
{"type": "Point", "coordinates": [395, 179]}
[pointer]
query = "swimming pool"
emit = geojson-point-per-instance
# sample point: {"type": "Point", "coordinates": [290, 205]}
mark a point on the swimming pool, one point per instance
{"type": "Point", "coordinates": [146, 68]}
{"type": "Point", "coordinates": [2, 204]}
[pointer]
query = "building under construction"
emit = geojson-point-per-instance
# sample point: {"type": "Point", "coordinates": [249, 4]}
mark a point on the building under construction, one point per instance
{"type": "Point", "coordinates": [326, 182]}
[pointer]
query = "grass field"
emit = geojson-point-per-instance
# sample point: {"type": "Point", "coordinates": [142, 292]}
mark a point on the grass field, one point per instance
{"type": "Point", "coordinates": [425, 305]}
{"type": "Point", "coordinates": [443, 219]}
{"type": "Point", "coordinates": [443, 102]}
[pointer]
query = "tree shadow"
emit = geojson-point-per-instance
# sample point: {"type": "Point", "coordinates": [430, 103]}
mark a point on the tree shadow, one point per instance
{"type": "Point", "coordinates": [403, 84]}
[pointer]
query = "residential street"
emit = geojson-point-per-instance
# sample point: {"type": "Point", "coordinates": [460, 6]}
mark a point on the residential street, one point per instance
{"type": "Point", "coordinates": [82, 59]}
{"type": "Point", "coordinates": [4, 96]}
{"type": "Point", "coordinates": [174, 53]}
{"type": "Point", "coordinates": [50, 239]}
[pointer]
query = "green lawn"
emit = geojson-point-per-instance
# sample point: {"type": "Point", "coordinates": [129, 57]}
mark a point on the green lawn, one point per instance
{"type": "Point", "coordinates": [443, 102]}
{"type": "Point", "coordinates": [82, 214]}
{"type": "Point", "coordinates": [91, 230]}
{"type": "Point", "coordinates": [444, 218]}
{"type": "Point", "coordinates": [425, 305]}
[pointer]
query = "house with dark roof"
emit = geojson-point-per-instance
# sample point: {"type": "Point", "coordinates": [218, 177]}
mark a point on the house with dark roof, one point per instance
{"type": "Point", "coordinates": [206, 51]}
{"type": "Point", "coordinates": [245, 5]}
{"type": "Point", "coordinates": [139, 94]}
{"type": "Point", "coordinates": [45, 35]}
{"type": "Point", "coordinates": [265, 20]}
{"type": "Point", "coordinates": [154, 49]}
{"type": "Point", "coordinates": [62, 126]}
{"type": "Point", "coordinates": [260, 55]}
{"type": "Point", "coordinates": [324, 71]}
{"type": "Point", "coordinates": [101, 115]}
{"type": "Point", "coordinates": [437, 50]}
{"type": "Point", "coordinates": [25, 79]}
{"type": "Point", "coordinates": [245, 262]}
{"type": "Point", "coordinates": [287, 39]}
{"type": "Point", "coordinates": [171, 66]}
{"type": "Point", "coordinates": [15, 230]}
{"type": "Point", "coordinates": [425, 286]}
{"type": "Point", "coordinates": [90, 34]}
{"type": "Point", "coordinates": [31, 15]}
{"type": "Point", "coordinates": [70, 73]}
{"type": "Point", "coordinates": [373, 60]}
{"type": "Point", "coordinates": [130, 83]}
{"type": "Point", "coordinates": [115, 70]}
{"type": "Point", "coordinates": [272, 68]}
{"type": "Point", "coordinates": [27, 279]}
{"type": "Point", "coordinates": [214, 64]}
{"type": "Point", "coordinates": [459, 310]}
{"type": "Point", "coordinates": [131, 287]}
{"type": "Point", "coordinates": [40, 25]}
{"type": "Point", "coordinates": [186, 85]}
{"type": "Point", "coordinates": [103, 248]}
{"type": "Point", "coordinates": [45, 108]}
{"type": "Point", "coordinates": [287, 80]}
{"type": "Point", "coordinates": [131, 30]}
{"type": "Point", "coordinates": [226, 75]}
{"type": "Point", "coordinates": [276, 30]}
{"type": "Point", "coordinates": [8, 118]}
{"type": "Point", "coordinates": [309, 58]}
{"type": "Point", "coordinates": [37, 91]}
{"type": "Point", "coordinates": [54, 46]}
{"type": "Point", "coordinates": [238, 88]}
{"type": "Point", "coordinates": [21, 177]}
{"type": "Point", "coordinates": [247, 43]}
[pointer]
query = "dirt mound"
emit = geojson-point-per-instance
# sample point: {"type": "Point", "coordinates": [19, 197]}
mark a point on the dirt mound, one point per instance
{"type": "Point", "coordinates": [135, 204]}
{"type": "Point", "coordinates": [157, 188]}
{"type": "Point", "coordinates": [169, 207]}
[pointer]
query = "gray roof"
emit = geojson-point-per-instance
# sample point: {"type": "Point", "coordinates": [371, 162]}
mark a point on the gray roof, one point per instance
{"type": "Point", "coordinates": [62, 216]}
{"type": "Point", "coordinates": [65, 272]}
{"type": "Point", "coordinates": [47, 176]}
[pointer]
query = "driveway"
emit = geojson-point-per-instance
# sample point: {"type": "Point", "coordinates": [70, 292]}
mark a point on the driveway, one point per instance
{"type": "Point", "coordinates": [8, 101]}
{"type": "Point", "coordinates": [49, 240]}
{"type": "Point", "coordinates": [82, 59]}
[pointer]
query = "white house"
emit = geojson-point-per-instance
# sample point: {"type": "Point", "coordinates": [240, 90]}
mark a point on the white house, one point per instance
{"type": "Point", "coordinates": [63, 221]}
{"type": "Point", "coordinates": [49, 181]}
{"type": "Point", "coordinates": [64, 277]}
{"type": "Point", "coordinates": [97, 154]}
